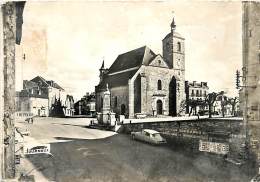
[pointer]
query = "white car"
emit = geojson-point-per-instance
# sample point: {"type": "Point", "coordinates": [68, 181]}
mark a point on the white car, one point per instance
{"type": "Point", "coordinates": [147, 135]}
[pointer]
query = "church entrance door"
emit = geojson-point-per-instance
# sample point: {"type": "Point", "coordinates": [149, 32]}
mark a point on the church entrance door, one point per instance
{"type": "Point", "coordinates": [159, 107]}
{"type": "Point", "coordinates": [123, 109]}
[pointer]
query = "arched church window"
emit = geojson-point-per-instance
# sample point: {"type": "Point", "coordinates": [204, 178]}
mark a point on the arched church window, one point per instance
{"type": "Point", "coordinates": [159, 85]}
{"type": "Point", "coordinates": [179, 46]}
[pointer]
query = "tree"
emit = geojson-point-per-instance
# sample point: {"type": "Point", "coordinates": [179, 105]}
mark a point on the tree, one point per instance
{"type": "Point", "coordinates": [193, 105]}
{"type": "Point", "coordinates": [210, 99]}
{"type": "Point", "coordinates": [224, 102]}
{"type": "Point", "coordinates": [233, 102]}
{"type": "Point", "coordinates": [182, 107]}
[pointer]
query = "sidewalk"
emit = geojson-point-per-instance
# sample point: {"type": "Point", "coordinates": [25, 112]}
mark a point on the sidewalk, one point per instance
{"type": "Point", "coordinates": [26, 167]}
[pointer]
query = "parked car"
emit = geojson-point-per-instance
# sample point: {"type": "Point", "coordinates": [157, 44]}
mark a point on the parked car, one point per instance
{"type": "Point", "coordinates": [147, 135]}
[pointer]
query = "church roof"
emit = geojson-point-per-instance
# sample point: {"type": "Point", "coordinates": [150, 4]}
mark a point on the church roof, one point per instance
{"type": "Point", "coordinates": [131, 59]}
{"type": "Point", "coordinates": [120, 71]}
{"type": "Point", "coordinates": [116, 80]}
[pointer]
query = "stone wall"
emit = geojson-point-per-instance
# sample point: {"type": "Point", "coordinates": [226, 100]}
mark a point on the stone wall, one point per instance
{"type": "Point", "coordinates": [153, 74]}
{"type": "Point", "coordinates": [121, 94]}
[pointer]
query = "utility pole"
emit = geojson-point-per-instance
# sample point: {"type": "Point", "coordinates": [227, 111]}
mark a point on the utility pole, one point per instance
{"type": "Point", "coordinates": [11, 25]}
{"type": "Point", "coordinates": [1, 95]}
{"type": "Point", "coordinates": [9, 28]}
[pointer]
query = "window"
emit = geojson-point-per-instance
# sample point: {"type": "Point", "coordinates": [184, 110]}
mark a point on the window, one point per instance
{"type": "Point", "coordinates": [159, 62]}
{"type": "Point", "coordinates": [159, 85]}
{"type": "Point", "coordinates": [192, 93]}
{"type": "Point", "coordinates": [200, 93]}
{"type": "Point", "coordinates": [179, 46]}
{"type": "Point", "coordinates": [259, 45]}
{"type": "Point", "coordinates": [205, 93]}
{"type": "Point", "coordinates": [259, 58]}
{"type": "Point", "coordinates": [197, 93]}
{"type": "Point", "coordinates": [115, 102]}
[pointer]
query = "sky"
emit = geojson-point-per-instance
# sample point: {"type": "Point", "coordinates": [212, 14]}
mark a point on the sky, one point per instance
{"type": "Point", "coordinates": [67, 41]}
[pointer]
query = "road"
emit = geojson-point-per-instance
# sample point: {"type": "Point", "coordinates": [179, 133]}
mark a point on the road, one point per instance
{"type": "Point", "coordinates": [81, 154]}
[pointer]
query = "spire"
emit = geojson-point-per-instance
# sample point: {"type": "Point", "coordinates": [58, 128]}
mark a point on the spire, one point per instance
{"type": "Point", "coordinates": [103, 64]}
{"type": "Point", "coordinates": [173, 25]}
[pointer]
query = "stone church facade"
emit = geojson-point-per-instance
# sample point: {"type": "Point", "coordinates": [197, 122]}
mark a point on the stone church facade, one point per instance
{"type": "Point", "coordinates": [144, 83]}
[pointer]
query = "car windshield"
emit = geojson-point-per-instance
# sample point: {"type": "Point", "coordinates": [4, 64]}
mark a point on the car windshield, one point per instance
{"type": "Point", "coordinates": [157, 135]}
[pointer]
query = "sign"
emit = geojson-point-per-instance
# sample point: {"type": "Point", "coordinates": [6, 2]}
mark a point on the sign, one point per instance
{"type": "Point", "coordinates": [17, 159]}
{"type": "Point", "coordinates": [213, 147]}
{"type": "Point", "coordinates": [37, 149]}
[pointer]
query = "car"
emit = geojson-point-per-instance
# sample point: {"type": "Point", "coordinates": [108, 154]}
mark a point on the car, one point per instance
{"type": "Point", "coordinates": [149, 136]}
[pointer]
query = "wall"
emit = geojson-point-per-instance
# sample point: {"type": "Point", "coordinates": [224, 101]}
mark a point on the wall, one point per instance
{"type": "Point", "coordinates": [153, 74]}
{"type": "Point", "coordinates": [251, 72]}
{"type": "Point", "coordinates": [122, 98]}
{"type": "Point", "coordinates": [32, 105]}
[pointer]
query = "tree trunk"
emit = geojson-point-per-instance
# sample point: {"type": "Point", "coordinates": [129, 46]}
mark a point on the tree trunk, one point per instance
{"type": "Point", "coordinates": [190, 111]}
{"type": "Point", "coordinates": [210, 106]}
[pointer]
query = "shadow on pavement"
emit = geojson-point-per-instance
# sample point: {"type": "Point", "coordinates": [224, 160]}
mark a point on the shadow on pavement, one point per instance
{"type": "Point", "coordinates": [82, 126]}
{"type": "Point", "coordinates": [118, 158]}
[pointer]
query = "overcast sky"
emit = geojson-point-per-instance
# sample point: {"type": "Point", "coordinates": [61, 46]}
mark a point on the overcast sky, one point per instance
{"type": "Point", "coordinates": [67, 41]}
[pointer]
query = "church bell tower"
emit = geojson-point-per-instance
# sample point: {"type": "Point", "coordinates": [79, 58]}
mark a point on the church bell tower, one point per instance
{"type": "Point", "coordinates": [174, 50]}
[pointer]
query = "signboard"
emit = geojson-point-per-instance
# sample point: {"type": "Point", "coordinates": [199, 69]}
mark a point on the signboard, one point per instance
{"type": "Point", "coordinates": [213, 147]}
{"type": "Point", "coordinates": [17, 159]}
{"type": "Point", "coordinates": [37, 149]}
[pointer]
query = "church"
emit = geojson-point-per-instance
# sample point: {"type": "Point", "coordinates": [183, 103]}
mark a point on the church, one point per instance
{"type": "Point", "coordinates": [144, 83]}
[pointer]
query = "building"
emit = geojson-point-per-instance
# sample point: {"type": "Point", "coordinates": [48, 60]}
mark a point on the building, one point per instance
{"type": "Point", "coordinates": [144, 83]}
{"type": "Point", "coordinates": [222, 106]}
{"type": "Point", "coordinates": [40, 97]}
{"type": "Point", "coordinates": [251, 74]}
{"type": "Point", "coordinates": [195, 91]}
{"type": "Point", "coordinates": [69, 106]}
{"type": "Point", "coordinates": [86, 105]}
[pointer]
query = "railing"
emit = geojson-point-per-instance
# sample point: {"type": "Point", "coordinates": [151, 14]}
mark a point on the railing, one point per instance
{"type": "Point", "coordinates": [23, 114]}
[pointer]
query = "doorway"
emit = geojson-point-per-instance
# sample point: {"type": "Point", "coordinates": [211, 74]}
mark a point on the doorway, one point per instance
{"type": "Point", "coordinates": [123, 109]}
{"type": "Point", "coordinates": [159, 107]}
